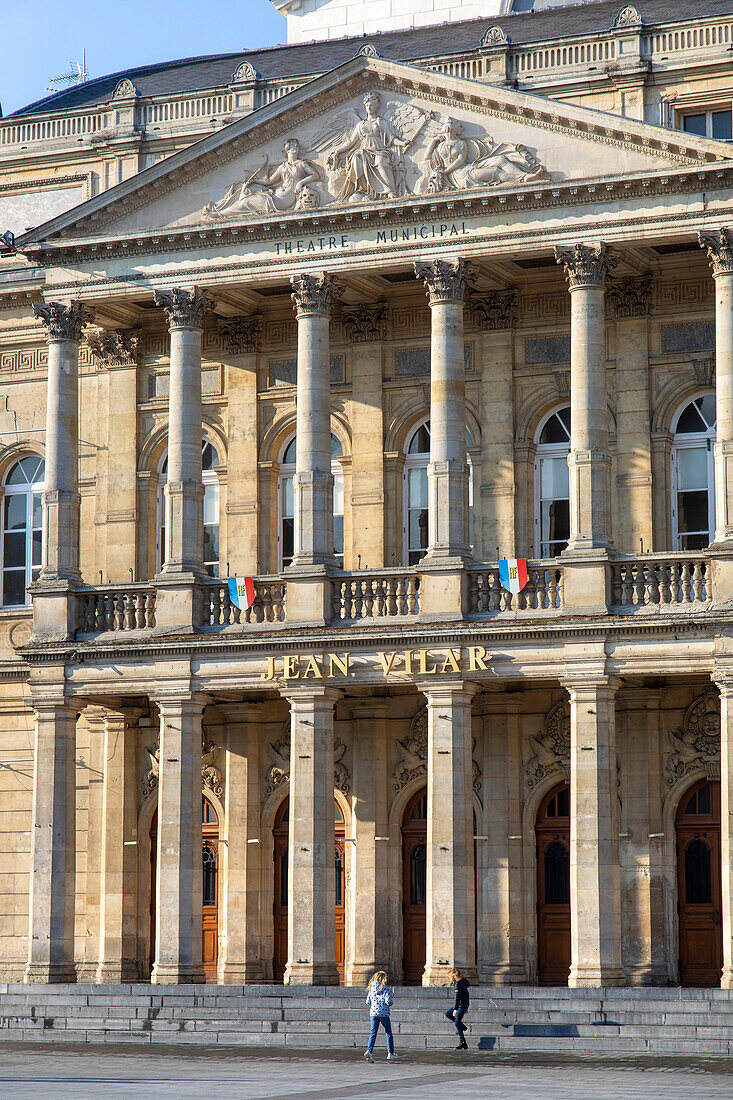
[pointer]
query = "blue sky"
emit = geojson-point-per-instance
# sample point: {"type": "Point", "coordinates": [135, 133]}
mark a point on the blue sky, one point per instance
{"type": "Point", "coordinates": [41, 37]}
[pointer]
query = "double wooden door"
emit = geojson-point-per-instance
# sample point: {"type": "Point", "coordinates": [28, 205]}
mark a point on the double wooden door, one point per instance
{"type": "Point", "coordinates": [414, 887]}
{"type": "Point", "coordinates": [552, 832]}
{"type": "Point", "coordinates": [699, 885]}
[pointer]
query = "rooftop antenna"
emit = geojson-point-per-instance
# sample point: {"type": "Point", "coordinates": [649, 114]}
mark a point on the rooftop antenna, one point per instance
{"type": "Point", "coordinates": [77, 75]}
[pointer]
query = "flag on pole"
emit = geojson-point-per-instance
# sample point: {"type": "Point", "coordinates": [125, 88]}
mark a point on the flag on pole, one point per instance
{"type": "Point", "coordinates": [242, 592]}
{"type": "Point", "coordinates": [513, 573]}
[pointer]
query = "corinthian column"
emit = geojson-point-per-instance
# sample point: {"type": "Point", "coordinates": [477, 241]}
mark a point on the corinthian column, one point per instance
{"type": "Point", "coordinates": [719, 247]}
{"type": "Point", "coordinates": [446, 282]}
{"type": "Point", "coordinates": [313, 483]}
{"type": "Point", "coordinates": [184, 493]}
{"type": "Point", "coordinates": [61, 500]}
{"type": "Point", "coordinates": [586, 269]}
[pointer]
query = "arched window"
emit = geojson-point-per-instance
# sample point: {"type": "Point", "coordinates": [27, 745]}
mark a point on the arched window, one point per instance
{"type": "Point", "coordinates": [552, 484]}
{"type": "Point", "coordinates": [693, 475]}
{"type": "Point", "coordinates": [286, 504]}
{"type": "Point", "coordinates": [20, 547]}
{"type": "Point", "coordinates": [209, 460]}
{"type": "Point", "coordinates": [415, 495]}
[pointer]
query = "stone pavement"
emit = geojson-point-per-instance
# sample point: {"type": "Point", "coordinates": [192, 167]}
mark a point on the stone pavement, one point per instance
{"type": "Point", "coordinates": [44, 1071]}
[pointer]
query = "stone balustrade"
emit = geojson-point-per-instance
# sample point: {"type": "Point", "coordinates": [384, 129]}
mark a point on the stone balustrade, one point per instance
{"type": "Point", "coordinates": [116, 608]}
{"type": "Point", "coordinates": [268, 607]}
{"type": "Point", "coordinates": [675, 580]}
{"type": "Point", "coordinates": [378, 594]}
{"type": "Point", "coordinates": [542, 592]}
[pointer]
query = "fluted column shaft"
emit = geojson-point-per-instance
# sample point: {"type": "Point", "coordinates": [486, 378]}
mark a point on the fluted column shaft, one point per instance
{"type": "Point", "coordinates": [719, 247]}
{"type": "Point", "coordinates": [313, 482]}
{"type": "Point", "coordinates": [446, 283]}
{"type": "Point", "coordinates": [586, 269]}
{"type": "Point", "coordinates": [724, 681]}
{"type": "Point", "coordinates": [184, 491]}
{"type": "Point", "coordinates": [61, 499]}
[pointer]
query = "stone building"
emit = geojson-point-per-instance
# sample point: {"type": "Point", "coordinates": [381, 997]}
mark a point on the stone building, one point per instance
{"type": "Point", "coordinates": [358, 318]}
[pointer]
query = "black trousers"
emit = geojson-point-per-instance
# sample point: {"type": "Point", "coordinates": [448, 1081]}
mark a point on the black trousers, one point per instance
{"type": "Point", "coordinates": [456, 1017]}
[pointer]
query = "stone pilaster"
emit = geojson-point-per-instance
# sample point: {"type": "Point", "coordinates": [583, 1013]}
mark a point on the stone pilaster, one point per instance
{"type": "Point", "coordinates": [184, 491]}
{"type": "Point", "coordinates": [61, 499]}
{"type": "Point", "coordinates": [368, 926]}
{"type": "Point", "coordinates": [451, 900]}
{"type": "Point", "coordinates": [179, 870]}
{"type": "Point", "coordinates": [446, 283]}
{"type": "Point", "coordinates": [312, 839]}
{"type": "Point", "coordinates": [313, 297]}
{"type": "Point", "coordinates": [242, 338]}
{"type": "Point", "coordinates": [719, 247]}
{"type": "Point", "coordinates": [53, 841]}
{"type": "Point", "coordinates": [91, 724]}
{"type": "Point", "coordinates": [586, 269]}
{"type": "Point", "coordinates": [240, 958]}
{"type": "Point", "coordinates": [595, 907]}
{"type": "Point", "coordinates": [724, 680]}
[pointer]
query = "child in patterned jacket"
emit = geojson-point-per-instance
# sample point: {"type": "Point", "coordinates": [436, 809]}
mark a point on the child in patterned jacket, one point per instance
{"type": "Point", "coordinates": [379, 998]}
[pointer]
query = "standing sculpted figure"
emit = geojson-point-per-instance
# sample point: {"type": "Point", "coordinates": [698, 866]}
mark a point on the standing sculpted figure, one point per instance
{"type": "Point", "coordinates": [371, 156]}
{"type": "Point", "coordinates": [288, 186]}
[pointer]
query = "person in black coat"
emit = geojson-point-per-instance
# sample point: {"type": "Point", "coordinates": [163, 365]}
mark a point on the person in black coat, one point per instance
{"type": "Point", "coordinates": [460, 1008]}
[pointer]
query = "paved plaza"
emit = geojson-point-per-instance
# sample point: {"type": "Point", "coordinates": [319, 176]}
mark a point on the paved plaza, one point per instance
{"type": "Point", "coordinates": [28, 1072]}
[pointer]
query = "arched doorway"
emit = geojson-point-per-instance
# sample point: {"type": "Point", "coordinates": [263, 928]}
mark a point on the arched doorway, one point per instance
{"type": "Point", "coordinates": [414, 886]}
{"type": "Point", "coordinates": [280, 903]}
{"type": "Point", "coordinates": [699, 885]}
{"type": "Point", "coordinates": [552, 831]}
{"type": "Point", "coordinates": [210, 891]}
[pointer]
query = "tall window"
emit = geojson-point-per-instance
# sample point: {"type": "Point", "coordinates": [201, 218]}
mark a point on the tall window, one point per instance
{"type": "Point", "coordinates": [286, 504]}
{"type": "Point", "coordinates": [20, 552]}
{"type": "Point", "coordinates": [552, 484]}
{"type": "Point", "coordinates": [415, 505]}
{"type": "Point", "coordinates": [693, 475]}
{"type": "Point", "coordinates": [716, 123]}
{"type": "Point", "coordinates": [209, 460]}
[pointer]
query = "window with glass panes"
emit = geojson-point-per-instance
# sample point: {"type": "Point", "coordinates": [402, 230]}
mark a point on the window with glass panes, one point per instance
{"type": "Point", "coordinates": [552, 485]}
{"type": "Point", "coordinates": [209, 460]}
{"type": "Point", "coordinates": [693, 475]}
{"type": "Point", "coordinates": [22, 524]}
{"type": "Point", "coordinates": [415, 505]}
{"type": "Point", "coordinates": [714, 123]}
{"type": "Point", "coordinates": [286, 504]}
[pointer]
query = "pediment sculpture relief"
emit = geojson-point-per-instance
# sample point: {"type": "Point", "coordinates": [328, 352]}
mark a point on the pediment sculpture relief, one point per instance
{"type": "Point", "coordinates": [696, 743]}
{"type": "Point", "coordinates": [391, 150]}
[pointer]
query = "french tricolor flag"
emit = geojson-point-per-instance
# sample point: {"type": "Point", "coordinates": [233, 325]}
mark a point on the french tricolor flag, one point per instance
{"type": "Point", "coordinates": [242, 592]}
{"type": "Point", "coordinates": [513, 573]}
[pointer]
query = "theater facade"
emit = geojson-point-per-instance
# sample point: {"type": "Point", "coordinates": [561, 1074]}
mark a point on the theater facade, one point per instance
{"type": "Point", "coordinates": [361, 344]}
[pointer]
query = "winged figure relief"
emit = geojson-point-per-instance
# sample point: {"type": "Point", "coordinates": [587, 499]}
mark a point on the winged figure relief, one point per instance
{"type": "Point", "coordinates": [291, 185]}
{"type": "Point", "coordinates": [453, 162]}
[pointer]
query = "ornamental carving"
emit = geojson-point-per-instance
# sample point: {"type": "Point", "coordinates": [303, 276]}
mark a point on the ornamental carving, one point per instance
{"type": "Point", "coordinates": [719, 247]}
{"type": "Point", "coordinates": [279, 772]}
{"type": "Point", "coordinates": [63, 322]}
{"type": "Point", "coordinates": [414, 762]}
{"type": "Point", "coordinates": [150, 779]}
{"type": "Point", "coordinates": [387, 150]}
{"type": "Point", "coordinates": [585, 265]}
{"type": "Point", "coordinates": [368, 50]}
{"type": "Point", "coordinates": [628, 17]}
{"type": "Point", "coordinates": [245, 72]}
{"type": "Point", "coordinates": [495, 36]}
{"type": "Point", "coordinates": [631, 297]}
{"type": "Point", "coordinates": [211, 777]}
{"type": "Point", "coordinates": [445, 280]}
{"type": "Point", "coordinates": [704, 371]}
{"type": "Point", "coordinates": [184, 308]}
{"type": "Point", "coordinates": [313, 293]}
{"type": "Point", "coordinates": [364, 323]}
{"type": "Point", "coordinates": [114, 347]}
{"type": "Point", "coordinates": [495, 309]}
{"type": "Point", "coordinates": [696, 743]}
{"type": "Point", "coordinates": [241, 334]}
{"type": "Point", "coordinates": [551, 747]}
{"type": "Point", "coordinates": [125, 90]}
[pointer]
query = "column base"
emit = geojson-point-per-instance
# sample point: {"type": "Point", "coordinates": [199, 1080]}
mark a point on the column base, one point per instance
{"type": "Point", "coordinates": [116, 973]}
{"type": "Point", "coordinates": [502, 975]}
{"type": "Point", "coordinates": [726, 980]}
{"type": "Point", "coordinates": [177, 975]}
{"type": "Point", "coordinates": [311, 974]}
{"type": "Point", "coordinates": [593, 977]}
{"type": "Point", "coordinates": [439, 974]}
{"type": "Point", "coordinates": [240, 974]}
{"type": "Point", "coordinates": [50, 974]}
{"type": "Point", "coordinates": [356, 974]}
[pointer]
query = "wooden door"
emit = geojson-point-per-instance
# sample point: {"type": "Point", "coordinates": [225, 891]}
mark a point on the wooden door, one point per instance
{"type": "Point", "coordinates": [210, 900]}
{"type": "Point", "coordinates": [153, 887]}
{"type": "Point", "coordinates": [699, 885]}
{"type": "Point", "coordinates": [280, 893]}
{"type": "Point", "coordinates": [414, 887]}
{"type": "Point", "coordinates": [552, 832]}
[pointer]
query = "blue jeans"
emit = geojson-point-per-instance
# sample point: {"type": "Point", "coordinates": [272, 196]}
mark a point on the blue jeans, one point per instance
{"type": "Point", "coordinates": [387, 1025]}
{"type": "Point", "coordinates": [456, 1017]}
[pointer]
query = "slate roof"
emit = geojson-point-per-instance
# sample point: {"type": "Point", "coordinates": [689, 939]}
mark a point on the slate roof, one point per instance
{"type": "Point", "coordinates": [312, 58]}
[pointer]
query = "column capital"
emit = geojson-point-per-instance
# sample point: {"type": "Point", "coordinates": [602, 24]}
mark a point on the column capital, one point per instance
{"type": "Point", "coordinates": [64, 322]}
{"type": "Point", "coordinates": [366, 322]}
{"type": "Point", "coordinates": [589, 683]}
{"type": "Point", "coordinates": [115, 347]}
{"type": "Point", "coordinates": [311, 693]}
{"type": "Point", "coordinates": [184, 308]}
{"type": "Point", "coordinates": [723, 680]}
{"type": "Point", "coordinates": [719, 246]}
{"type": "Point", "coordinates": [445, 280]}
{"type": "Point", "coordinates": [313, 294]}
{"type": "Point", "coordinates": [495, 309]}
{"type": "Point", "coordinates": [631, 297]}
{"type": "Point", "coordinates": [438, 692]}
{"type": "Point", "coordinates": [242, 334]}
{"type": "Point", "coordinates": [585, 265]}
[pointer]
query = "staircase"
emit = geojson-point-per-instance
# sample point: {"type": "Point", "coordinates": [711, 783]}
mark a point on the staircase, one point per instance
{"type": "Point", "coordinates": [518, 1018]}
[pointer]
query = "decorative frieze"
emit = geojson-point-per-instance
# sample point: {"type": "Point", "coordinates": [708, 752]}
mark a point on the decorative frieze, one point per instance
{"type": "Point", "coordinates": [540, 350]}
{"type": "Point", "coordinates": [696, 743]}
{"type": "Point", "coordinates": [704, 371]}
{"type": "Point", "coordinates": [183, 308]}
{"type": "Point", "coordinates": [551, 747]}
{"type": "Point", "coordinates": [241, 334]}
{"type": "Point", "coordinates": [495, 309]}
{"type": "Point", "coordinates": [63, 322]}
{"type": "Point", "coordinates": [313, 294]}
{"type": "Point", "coordinates": [366, 323]}
{"type": "Point", "coordinates": [719, 247]}
{"type": "Point", "coordinates": [115, 347]}
{"type": "Point", "coordinates": [630, 297]}
{"type": "Point", "coordinates": [689, 336]}
{"type": "Point", "coordinates": [585, 265]}
{"type": "Point", "coordinates": [445, 280]}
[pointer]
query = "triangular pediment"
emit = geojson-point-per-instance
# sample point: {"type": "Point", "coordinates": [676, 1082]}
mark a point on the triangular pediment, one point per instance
{"type": "Point", "coordinates": [378, 133]}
